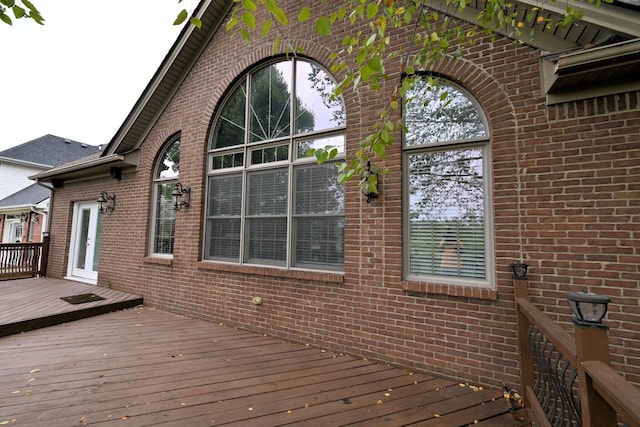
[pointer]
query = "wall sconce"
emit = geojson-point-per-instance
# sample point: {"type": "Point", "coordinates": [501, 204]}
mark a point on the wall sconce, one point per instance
{"type": "Point", "coordinates": [519, 270]}
{"type": "Point", "coordinates": [24, 217]}
{"type": "Point", "coordinates": [181, 196]}
{"type": "Point", "coordinates": [107, 202]}
{"type": "Point", "coordinates": [369, 183]}
{"type": "Point", "coordinates": [588, 309]}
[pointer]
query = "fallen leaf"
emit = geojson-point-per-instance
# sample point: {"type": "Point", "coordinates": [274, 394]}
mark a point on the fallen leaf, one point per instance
{"type": "Point", "coordinates": [387, 394]}
{"type": "Point", "coordinates": [289, 411]}
{"type": "Point", "coordinates": [33, 371]}
{"type": "Point", "coordinates": [436, 415]}
{"type": "Point", "coordinates": [306, 405]}
{"type": "Point", "coordinates": [16, 392]}
{"type": "Point", "coordinates": [251, 408]}
{"type": "Point", "coordinates": [32, 380]}
{"type": "Point", "coordinates": [126, 417]}
{"type": "Point", "coordinates": [379, 402]}
{"type": "Point", "coordinates": [27, 393]}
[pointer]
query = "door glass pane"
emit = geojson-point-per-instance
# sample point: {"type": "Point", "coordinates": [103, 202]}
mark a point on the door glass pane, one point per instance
{"type": "Point", "coordinates": [97, 241]}
{"type": "Point", "coordinates": [83, 238]}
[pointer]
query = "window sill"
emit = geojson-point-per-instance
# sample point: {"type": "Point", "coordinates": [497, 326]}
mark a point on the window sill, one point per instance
{"type": "Point", "coordinates": [157, 260]}
{"type": "Point", "coordinates": [475, 292]}
{"type": "Point", "coordinates": [316, 276]}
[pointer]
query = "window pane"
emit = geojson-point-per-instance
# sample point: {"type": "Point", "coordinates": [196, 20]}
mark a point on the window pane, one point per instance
{"type": "Point", "coordinates": [224, 205]}
{"type": "Point", "coordinates": [270, 154]}
{"type": "Point", "coordinates": [319, 242]}
{"type": "Point", "coordinates": [267, 192]}
{"type": "Point", "coordinates": [446, 213]}
{"type": "Point", "coordinates": [267, 240]}
{"type": "Point", "coordinates": [165, 220]}
{"type": "Point", "coordinates": [169, 166]}
{"type": "Point", "coordinates": [231, 123]}
{"type": "Point", "coordinates": [225, 195]}
{"type": "Point", "coordinates": [225, 161]}
{"type": "Point", "coordinates": [223, 239]}
{"type": "Point", "coordinates": [439, 114]}
{"type": "Point", "coordinates": [270, 103]}
{"type": "Point", "coordinates": [318, 190]}
{"type": "Point", "coordinates": [336, 141]}
{"type": "Point", "coordinates": [315, 108]}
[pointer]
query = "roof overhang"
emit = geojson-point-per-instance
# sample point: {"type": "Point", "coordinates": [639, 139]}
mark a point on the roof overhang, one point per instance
{"type": "Point", "coordinates": [101, 166]}
{"type": "Point", "coordinates": [588, 73]}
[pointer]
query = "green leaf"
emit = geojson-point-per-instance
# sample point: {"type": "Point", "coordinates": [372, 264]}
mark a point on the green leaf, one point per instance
{"type": "Point", "coordinates": [18, 12]}
{"type": "Point", "coordinates": [196, 22]}
{"type": "Point", "coordinates": [375, 64]}
{"type": "Point", "coordinates": [304, 14]}
{"type": "Point", "coordinates": [323, 27]}
{"type": "Point", "coordinates": [5, 18]}
{"type": "Point", "coordinates": [182, 16]}
{"type": "Point", "coordinates": [249, 20]}
{"type": "Point", "coordinates": [30, 6]}
{"type": "Point", "coordinates": [372, 10]}
{"type": "Point", "coordinates": [249, 5]}
{"type": "Point", "coordinates": [8, 3]}
{"type": "Point", "coordinates": [266, 27]}
{"type": "Point", "coordinates": [232, 23]}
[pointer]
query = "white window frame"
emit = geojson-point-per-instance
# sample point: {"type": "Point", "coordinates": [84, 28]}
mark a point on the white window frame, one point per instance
{"type": "Point", "coordinates": [484, 143]}
{"type": "Point", "coordinates": [158, 182]}
{"type": "Point", "coordinates": [247, 168]}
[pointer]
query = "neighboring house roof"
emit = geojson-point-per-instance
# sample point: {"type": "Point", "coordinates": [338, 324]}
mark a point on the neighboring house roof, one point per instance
{"type": "Point", "coordinates": [30, 196]}
{"type": "Point", "coordinates": [47, 151]}
{"type": "Point", "coordinates": [602, 25]}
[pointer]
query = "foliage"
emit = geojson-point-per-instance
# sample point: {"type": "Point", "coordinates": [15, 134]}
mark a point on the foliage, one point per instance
{"type": "Point", "coordinates": [435, 34]}
{"type": "Point", "coordinates": [21, 9]}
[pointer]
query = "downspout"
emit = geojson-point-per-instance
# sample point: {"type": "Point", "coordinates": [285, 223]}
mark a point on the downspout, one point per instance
{"type": "Point", "coordinates": [47, 215]}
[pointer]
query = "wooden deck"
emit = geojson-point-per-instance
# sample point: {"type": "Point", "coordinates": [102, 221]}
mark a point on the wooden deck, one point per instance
{"type": "Point", "coordinates": [146, 367]}
{"type": "Point", "coordinates": [27, 304]}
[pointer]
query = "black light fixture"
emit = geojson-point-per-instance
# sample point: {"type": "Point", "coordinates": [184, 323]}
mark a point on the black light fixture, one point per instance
{"type": "Point", "coordinates": [181, 196]}
{"type": "Point", "coordinates": [588, 309]}
{"type": "Point", "coordinates": [107, 202]}
{"type": "Point", "coordinates": [24, 217]}
{"type": "Point", "coordinates": [369, 183]}
{"type": "Point", "coordinates": [519, 270]}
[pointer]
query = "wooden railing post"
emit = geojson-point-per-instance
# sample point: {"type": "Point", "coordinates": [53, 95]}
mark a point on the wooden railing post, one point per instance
{"type": "Point", "coordinates": [592, 344]}
{"type": "Point", "coordinates": [525, 353]}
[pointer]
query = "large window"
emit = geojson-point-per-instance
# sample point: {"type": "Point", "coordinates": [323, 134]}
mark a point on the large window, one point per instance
{"type": "Point", "coordinates": [446, 158]}
{"type": "Point", "coordinates": [164, 215]}
{"type": "Point", "coordinates": [268, 203]}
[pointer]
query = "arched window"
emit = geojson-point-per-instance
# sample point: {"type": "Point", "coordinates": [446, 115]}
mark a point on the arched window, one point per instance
{"type": "Point", "coordinates": [267, 202]}
{"type": "Point", "coordinates": [446, 159]}
{"type": "Point", "coordinates": [163, 214]}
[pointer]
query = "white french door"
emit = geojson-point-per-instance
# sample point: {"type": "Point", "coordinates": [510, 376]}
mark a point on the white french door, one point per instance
{"type": "Point", "coordinates": [84, 247]}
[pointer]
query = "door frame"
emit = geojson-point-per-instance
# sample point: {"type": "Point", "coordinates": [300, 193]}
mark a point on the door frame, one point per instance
{"type": "Point", "coordinates": [94, 231]}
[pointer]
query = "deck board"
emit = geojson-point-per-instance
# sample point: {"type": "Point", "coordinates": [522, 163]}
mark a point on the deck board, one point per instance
{"type": "Point", "coordinates": [32, 303]}
{"type": "Point", "coordinates": [146, 367]}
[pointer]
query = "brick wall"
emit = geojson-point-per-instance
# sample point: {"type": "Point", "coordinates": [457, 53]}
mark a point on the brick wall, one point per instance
{"type": "Point", "coordinates": [565, 198]}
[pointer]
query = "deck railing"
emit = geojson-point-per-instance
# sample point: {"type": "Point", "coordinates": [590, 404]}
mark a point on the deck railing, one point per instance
{"type": "Point", "coordinates": [567, 379]}
{"type": "Point", "coordinates": [23, 259]}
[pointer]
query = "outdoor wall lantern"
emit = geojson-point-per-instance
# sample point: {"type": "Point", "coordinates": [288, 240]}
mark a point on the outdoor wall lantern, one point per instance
{"type": "Point", "coordinates": [369, 183]}
{"type": "Point", "coordinates": [588, 309]}
{"type": "Point", "coordinates": [519, 270]}
{"type": "Point", "coordinates": [181, 196]}
{"type": "Point", "coordinates": [107, 202]}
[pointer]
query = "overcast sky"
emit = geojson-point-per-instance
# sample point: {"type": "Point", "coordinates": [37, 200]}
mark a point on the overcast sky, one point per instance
{"type": "Point", "coordinates": [79, 75]}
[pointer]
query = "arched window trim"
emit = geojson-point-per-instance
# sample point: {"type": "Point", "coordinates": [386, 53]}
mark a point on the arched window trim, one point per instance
{"type": "Point", "coordinates": [242, 161]}
{"type": "Point", "coordinates": [162, 214]}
